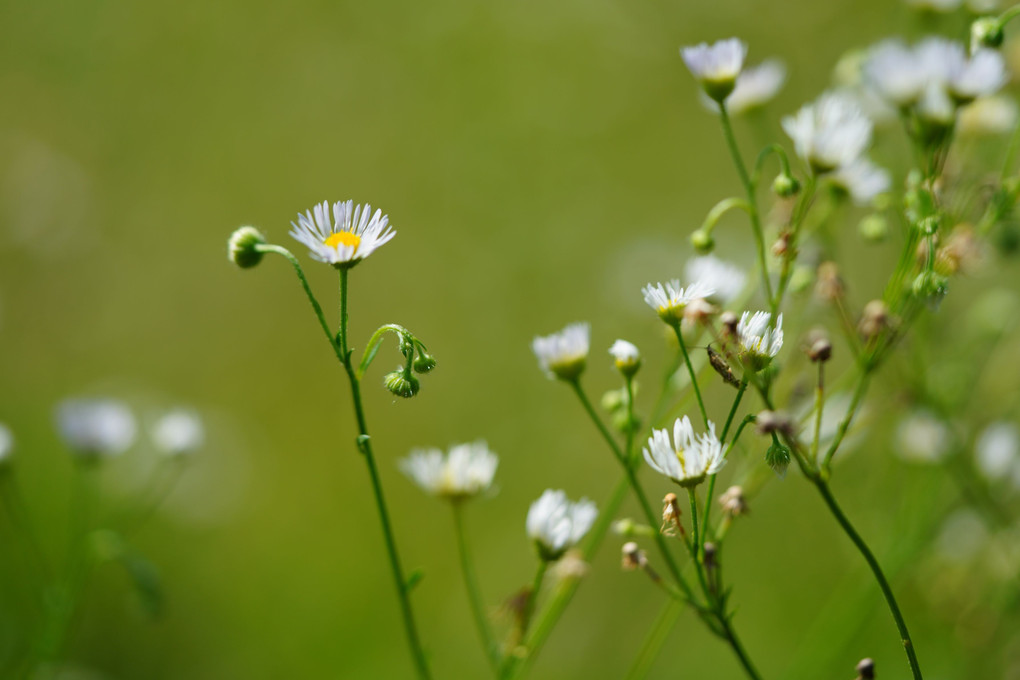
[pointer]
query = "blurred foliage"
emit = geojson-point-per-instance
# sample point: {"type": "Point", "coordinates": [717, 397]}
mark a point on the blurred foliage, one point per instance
{"type": "Point", "coordinates": [540, 162]}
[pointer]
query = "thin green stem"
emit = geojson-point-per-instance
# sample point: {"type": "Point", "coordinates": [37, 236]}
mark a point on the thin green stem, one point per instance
{"type": "Point", "coordinates": [529, 605]}
{"type": "Point", "coordinates": [364, 444]}
{"type": "Point", "coordinates": [474, 593]}
{"type": "Point", "coordinates": [844, 425]}
{"type": "Point", "coordinates": [690, 370]}
{"type": "Point", "coordinates": [752, 200]}
{"type": "Point", "coordinates": [819, 405]}
{"type": "Point", "coordinates": [722, 438]}
{"type": "Point", "coordinates": [655, 639]}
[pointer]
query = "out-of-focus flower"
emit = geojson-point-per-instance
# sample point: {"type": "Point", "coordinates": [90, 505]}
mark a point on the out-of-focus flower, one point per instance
{"type": "Point", "coordinates": [896, 73]}
{"type": "Point", "coordinates": [687, 459]}
{"type": "Point", "coordinates": [178, 432]}
{"type": "Point", "coordinates": [6, 443]}
{"type": "Point", "coordinates": [353, 234]}
{"type": "Point", "coordinates": [997, 449]}
{"type": "Point", "coordinates": [922, 438]}
{"type": "Point", "coordinates": [941, 6]}
{"type": "Point", "coordinates": [829, 133]}
{"type": "Point", "coordinates": [995, 115]}
{"type": "Point", "coordinates": [563, 355]}
{"type": "Point", "coordinates": [670, 299]}
{"type": "Point", "coordinates": [626, 356]}
{"type": "Point", "coordinates": [716, 66]}
{"type": "Point", "coordinates": [862, 180]}
{"type": "Point", "coordinates": [556, 525]}
{"type": "Point", "coordinates": [724, 278]}
{"type": "Point", "coordinates": [756, 86]}
{"type": "Point", "coordinates": [466, 471]}
{"type": "Point", "coordinates": [96, 427]}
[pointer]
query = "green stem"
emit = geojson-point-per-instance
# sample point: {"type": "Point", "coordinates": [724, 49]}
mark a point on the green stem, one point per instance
{"type": "Point", "coordinates": [819, 405]}
{"type": "Point", "coordinates": [876, 569]}
{"type": "Point", "coordinates": [722, 438]}
{"type": "Point", "coordinates": [752, 201]}
{"type": "Point", "coordinates": [655, 639]}
{"type": "Point", "coordinates": [844, 425]}
{"type": "Point", "coordinates": [364, 444]}
{"type": "Point", "coordinates": [474, 593]}
{"type": "Point", "coordinates": [690, 370]}
{"type": "Point", "coordinates": [536, 586]}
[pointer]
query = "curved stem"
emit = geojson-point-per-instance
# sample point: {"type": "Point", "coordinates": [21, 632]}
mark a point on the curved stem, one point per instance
{"type": "Point", "coordinates": [364, 444]}
{"type": "Point", "coordinates": [862, 547]}
{"type": "Point", "coordinates": [474, 594]}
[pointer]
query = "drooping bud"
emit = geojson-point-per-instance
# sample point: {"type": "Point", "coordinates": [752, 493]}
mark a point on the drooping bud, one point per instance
{"type": "Point", "coordinates": [242, 247]}
{"type": "Point", "coordinates": [402, 383]}
{"type": "Point", "coordinates": [785, 185]}
{"type": "Point", "coordinates": [986, 32]}
{"type": "Point", "coordinates": [778, 458]}
{"type": "Point", "coordinates": [702, 241]}
{"type": "Point", "coordinates": [424, 363]}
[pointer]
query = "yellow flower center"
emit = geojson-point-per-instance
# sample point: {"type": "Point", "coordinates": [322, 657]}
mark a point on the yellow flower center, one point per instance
{"type": "Point", "coordinates": [343, 238]}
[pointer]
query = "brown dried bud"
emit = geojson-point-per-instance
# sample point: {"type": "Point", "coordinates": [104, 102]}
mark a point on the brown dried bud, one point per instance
{"type": "Point", "coordinates": [782, 245]}
{"type": "Point", "coordinates": [874, 319]}
{"type": "Point", "coordinates": [733, 502]}
{"type": "Point", "coordinates": [671, 525]}
{"type": "Point", "coordinates": [820, 350]}
{"type": "Point", "coordinates": [768, 422]}
{"type": "Point", "coordinates": [633, 557]}
{"type": "Point", "coordinates": [829, 285]}
{"type": "Point", "coordinates": [866, 669]}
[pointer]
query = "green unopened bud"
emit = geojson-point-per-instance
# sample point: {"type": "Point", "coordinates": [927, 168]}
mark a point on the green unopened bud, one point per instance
{"type": "Point", "coordinates": [402, 383]}
{"type": "Point", "coordinates": [873, 228]}
{"type": "Point", "coordinates": [929, 225]}
{"type": "Point", "coordinates": [702, 241]}
{"type": "Point", "coordinates": [778, 458]}
{"type": "Point", "coordinates": [986, 32]}
{"type": "Point", "coordinates": [785, 185]}
{"type": "Point", "coordinates": [241, 248]}
{"type": "Point", "coordinates": [424, 363]}
{"type": "Point", "coordinates": [930, 286]}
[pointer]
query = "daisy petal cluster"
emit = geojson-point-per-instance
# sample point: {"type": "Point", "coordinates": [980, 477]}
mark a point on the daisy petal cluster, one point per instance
{"type": "Point", "coordinates": [99, 427]}
{"type": "Point", "coordinates": [465, 471]}
{"type": "Point", "coordinates": [688, 458]}
{"type": "Point", "coordinates": [759, 342]}
{"type": "Point", "coordinates": [555, 524]}
{"type": "Point", "coordinates": [717, 66]}
{"type": "Point", "coordinates": [352, 234]}
{"type": "Point", "coordinates": [670, 299]}
{"type": "Point", "coordinates": [626, 356]}
{"type": "Point", "coordinates": [563, 355]}
{"type": "Point", "coordinates": [829, 133]}
{"type": "Point", "coordinates": [724, 278]}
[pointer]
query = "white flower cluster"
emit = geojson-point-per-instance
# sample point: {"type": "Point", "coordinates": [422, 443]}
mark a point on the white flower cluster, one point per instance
{"type": "Point", "coordinates": [466, 471]}
{"type": "Point", "coordinates": [555, 524]}
{"type": "Point", "coordinates": [564, 355]}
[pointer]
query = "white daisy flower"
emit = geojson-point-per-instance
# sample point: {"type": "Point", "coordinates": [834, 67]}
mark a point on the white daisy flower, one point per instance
{"type": "Point", "coordinates": [829, 133]}
{"type": "Point", "coordinates": [724, 278]}
{"type": "Point", "coordinates": [100, 427]}
{"type": "Point", "coordinates": [178, 432]}
{"type": "Point", "coordinates": [687, 459]}
{"type": "Point", "coordinates": [626, 356]}
{"type": "Point", "coordinates": [997, 449]}
{"type": "Point", "coordinates": [564, 355]}
{"type": "Point", "coordinates": [862, 179]}
{"type": "Point", "coordinates": [670, 299]}
{"type": "Point", "coordinates": [716, 66]}
{"type": "Point", "coordinates": [6, 442]}
{"type": "Point", "coordinates": [995, 115]}
{"type": "Point", "coordinates": [556, 525]}
{"type": "Point", "coordinates": [755, 87]}
{"type": "Point", "coordinates": [758, 342]}
{"type": "Point", "coordinates": [352, 235]}
{"type": "Point", "coordinates": [466, 471]}
{"type": "Point", "coordinates": [896, 73]}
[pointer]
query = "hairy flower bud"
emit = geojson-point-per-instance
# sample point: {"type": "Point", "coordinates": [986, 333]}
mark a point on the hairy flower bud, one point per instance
{"type": "Point", "coordinates": [402, 383]}
{"type": "Point", "coordinates": [242, 247]}
{"type": "Point", "coordinates": [702, 241]}
{"type": "Point", "coordinates": [785, 185]}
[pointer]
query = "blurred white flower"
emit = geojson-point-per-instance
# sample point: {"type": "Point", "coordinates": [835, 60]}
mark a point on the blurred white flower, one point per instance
{"type": "Point", "coordinates": [556, 525]}
{"type": "Point", "coordinates": [942, 6]}
{"type": "Point", "coordinates": [935, 106]}
{"type": "Point", "coordinates": [687, 459]}
{"type": "Point", "coordinates": [670, 299]}
{"type": "Point", "coordinates": [829, 133]}
{"type": "Point", "coordinates": [983, 74]}
{"type": "Point", "coordinates": [563, 355]}
{"type": "Point", "coordinates": [758, 342]}
{"type": "Point", "coordinates": [724, 278]}
{"type": "Point", "coordinates": [466, 471]}
{"type": "Point", "coordinates": [862, 179]}
{"type": "Point", "coordinates": [96, 427]}
{"type": "Point", "coordinates": [6, 442]}
{"type": "Point", "coordinates": [896, 73]}
{"type": "Point", "coordinates": [997, 449]}
{"type": "Point", "coordinates": [353, 234]}
{"type": "Point", "coordinates": [626, 356]}
{"type": "Point", "coordinates": [995, 115]}
{"type": "Point", "coordinates": [716, 66]}
{"type": "Point", "coordinates": [178, 432]}
{"type": "Point", "coordinates": [755, 87]}
{"type": "Point", "coordinates": [922, 438]}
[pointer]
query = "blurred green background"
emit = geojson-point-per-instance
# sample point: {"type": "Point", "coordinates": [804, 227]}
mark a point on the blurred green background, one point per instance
{"type": "Point", "coordinates": [540, 162]}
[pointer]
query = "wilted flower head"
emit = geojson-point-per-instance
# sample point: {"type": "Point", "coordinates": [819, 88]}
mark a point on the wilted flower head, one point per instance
{"type": "Point", "coordinates": [687, 459]}
{"type": "Point", "coordinates": [6, 443]}
{"type": "Point", "coordinates": [724, 278]}
{"type": "Point", "coordinates": [556, 525]}
{"type": "Point", "coordinates": [626, 356]}
{"type": "Point", "coordinates": [716, 66]}
{"type": "Point", "coordinates": [670, 299]}
{"type": "Point", "coordinates": [178, 432]}
{"type": "Point", "coordinates": [829, 133]}
{"type": "Point", "coordinates": [466, 471]}
{"type": "Point", "coordinates": [96, 427]}
{"type": "Point", "coordinates": [563, 355]}
{"type": "Point", "coordinates": [758, 342]}
{"type": "Point", "coordinates": [352, 235]}
{"type": "Point", "coordinates": [862, 180]}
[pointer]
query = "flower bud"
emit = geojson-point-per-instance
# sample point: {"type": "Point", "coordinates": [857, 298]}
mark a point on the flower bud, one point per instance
{"type": "Point", "coordinates": [242, 247]}
{"type": "Point", "coordinates": [866, 669]}
{"type": "Point", "coordinates": [402, 383]}
{"type": "Point", "coordinates": [778, 458]}
{"type": "Point", "coordinates": [424, 363]}
{"type": "Point", "coordinates": [626, 357]}
{"type": "Point", "coordinates": [785, 185]}
{"type": "Point", "coordinates": [986, 32]}
{"type": "Point", "coordinates": [818, 347]}
{"type": "Point", "coordinates": [633, 557]}
{"type": "Point", "coordinates": [702, 241]}
{"type": "Point", "coordinates": [930, 286]}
